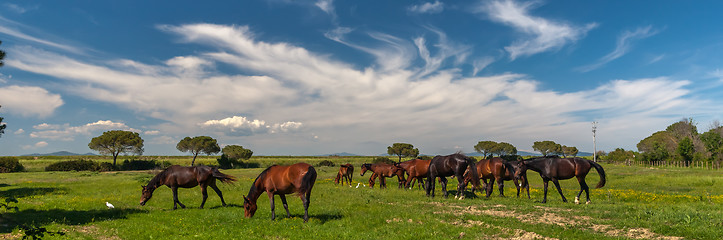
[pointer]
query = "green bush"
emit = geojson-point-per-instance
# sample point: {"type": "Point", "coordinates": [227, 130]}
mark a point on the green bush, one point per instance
{"type": "Point", "coordinates": [325, 163]}
{"type": "Point", "coordinates": [73, 165]}
{"type": "Point", "coordinates": [10, 164]}
{"type": "Point", "coordinates": [105, 167]}
{"type": "Point", "coordinates": [136, 164]}
{"type": "Point", "coordinates": [425, 157]}
{"type": "Point", "coordinates": [228, 163]}
{"type": "Point", "coordinates": [384, 160]}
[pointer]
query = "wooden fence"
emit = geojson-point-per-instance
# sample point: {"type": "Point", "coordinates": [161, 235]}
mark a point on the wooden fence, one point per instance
{"type": "Point", "coordinates": [693, 164]}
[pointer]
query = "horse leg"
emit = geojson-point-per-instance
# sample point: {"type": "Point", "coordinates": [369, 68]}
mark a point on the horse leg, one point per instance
{"type": "Point", "coordinates": [371, 180]}
{"type": "Point", "coordinates": [443, 181]}
{"type": "Point", "coordinates": [557, 185]}
{"type": "Point", "coordinates": [174, 189]}
{"type": "Point", "coordinates": [461, 186]}
{"type": "Point", "coordinates": [382, 182]}
{"type": "Point", "coordinates": [430, 186]}
{"type": "Point", "coordinates": [218, 192]}
{"type": "Point", "coordinates": [583, 187]}
{"type": "Point", "coordinates": [205, 195]}
{"type": "Point", "coordinates": [306, 199]}
{"type": "Point", "coordinates": [544, 199]}
{"type": "Point", "coordinates": [271, 199]}
{"type": "Point", "coordinates": [489, 188]}
{"type": "Point", "coordinates": [501, 186]}
{"type": "Point", "coordinates": [517, 185]}
{"type": "Point", "coordinates": [286, 206]}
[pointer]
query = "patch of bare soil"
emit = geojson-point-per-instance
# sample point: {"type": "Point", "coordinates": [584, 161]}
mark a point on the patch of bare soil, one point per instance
{"type": "Point", "coordinates": [399, 220]}
{"type": "Point", "coordinates": [11, 236]}
{"type": "Point", "coordinates": [95, 232]}
{"type": "Point", "coordinates": [548, 216]}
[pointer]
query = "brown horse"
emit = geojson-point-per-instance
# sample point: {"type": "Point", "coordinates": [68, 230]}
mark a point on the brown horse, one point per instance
{"type": "Point", "coordinates": [417, 170]}
{"type": "Point", "coordinates": [186, 177]}
{"type": "Point", "coordinates": [555, 168]}
{"type": "Point", "coordinates": [497, 169]}
{"type": "Point", "coordinates": [345, 173]}
{"type": "Point", "coordinates": [281, 180]}
{"type": "Point", "coordinates": [383, 171]}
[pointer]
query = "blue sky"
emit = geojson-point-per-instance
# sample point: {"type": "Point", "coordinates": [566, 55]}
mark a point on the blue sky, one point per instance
{"type": "Point", "coordinates": [286, 77]}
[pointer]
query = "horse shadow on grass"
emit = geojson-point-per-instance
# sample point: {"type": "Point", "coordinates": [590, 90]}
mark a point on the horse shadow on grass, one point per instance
{"type": "Point", "coordinates": [466, 194]}
{"type": "Point", "coordinates": [68, 217]}
{"type": "Point", "coordinates": [28, 191]}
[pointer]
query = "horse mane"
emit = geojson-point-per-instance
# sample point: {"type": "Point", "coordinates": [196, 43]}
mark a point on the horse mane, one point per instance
{"type": "Point", "coordinates": [156, 180]}
{"type": "Point", "coordinates": [262, 175]}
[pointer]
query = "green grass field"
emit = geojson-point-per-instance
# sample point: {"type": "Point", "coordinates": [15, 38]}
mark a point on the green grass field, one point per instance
{"type": "Point", "coordinates": [636, 203]}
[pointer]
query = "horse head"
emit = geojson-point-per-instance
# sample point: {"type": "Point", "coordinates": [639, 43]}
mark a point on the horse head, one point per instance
{"type": "Point", "coordinates": [364, 168]}
{"type": "Point", "coordinates": [146, 194]}
{"type": "Point", "coordinates": [249, 207]}
{"type": "Point", "coordinates": [520, 171]}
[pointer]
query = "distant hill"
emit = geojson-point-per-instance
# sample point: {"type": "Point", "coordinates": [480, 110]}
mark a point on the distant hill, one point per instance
{"type": "Point", "coordinates": [60, 153]}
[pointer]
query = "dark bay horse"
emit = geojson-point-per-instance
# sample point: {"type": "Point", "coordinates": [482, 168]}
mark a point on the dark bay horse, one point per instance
{"type": "Point", "coordinates": [345, 173]}
{"type": "Point", "coordinates": [555, 168]}
{"type": "Point", "coordinates": [383, 171]}
{"type": "Point", "coordinates": [451, 165]}
{"type": "Point", "coordinates": [497, 169]}
{"type": "Point", "coordinates": [186, 177]}
{"type": "Point", "coordinates": [281, 180]}
{"type": "Point", "coordinates": [417, 170]}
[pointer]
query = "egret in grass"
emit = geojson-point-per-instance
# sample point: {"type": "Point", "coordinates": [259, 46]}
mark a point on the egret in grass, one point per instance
{"type": "Point", "coordinates": [109, 205]}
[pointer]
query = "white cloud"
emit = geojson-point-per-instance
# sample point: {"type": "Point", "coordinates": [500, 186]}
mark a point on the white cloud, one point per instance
{"type": "Point", "coordinates": [68, 133]}
{"type": "Point", "coordinates": [427, 7]}
{"type": "Point", "coordinates": [543, 34]}
{"type": "Point", "coordinates": [624, 43]}
{"type": "Point", "coordinates": [480, 64]}
{"type": "Point", "coordinates": [326, 6]}
{"type": "Point", "coordinates": [19, 131]}
{"type": "Point", "coordinates": [240, 126]}
{"type": "Point", "coordinates": [29, 101]}
{"type": "Point", "coordinates": [152, 132]}
{"type": "Point", "coordinates": [37, 145]}
{"type": "Point", "coordinates": [19, 9]}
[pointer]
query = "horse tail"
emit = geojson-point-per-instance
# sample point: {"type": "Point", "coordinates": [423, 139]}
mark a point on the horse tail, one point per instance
{"type": "Point", "coordinates": [222, 177]}
{"type": "Point", "coordinates": [601, 172]}
{"type": "Point", "coordinates": [307, 181]}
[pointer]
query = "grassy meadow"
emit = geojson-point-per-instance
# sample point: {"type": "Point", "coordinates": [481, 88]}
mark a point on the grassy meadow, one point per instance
{"type": "Point", "coordinates": [637, 203]}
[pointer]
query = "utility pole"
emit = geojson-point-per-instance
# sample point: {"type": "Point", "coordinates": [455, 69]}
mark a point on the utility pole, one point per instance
{"type": "Point", "coordinates": [594, 143]}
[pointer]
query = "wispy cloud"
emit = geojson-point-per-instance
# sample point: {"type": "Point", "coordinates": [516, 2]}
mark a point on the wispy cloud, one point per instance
{"type": "Point", "coordinates": [428, 7]}
{"type": "Point", "coordinates": [68, 133]}
{"type": "Point", "coordinates": [19, 9]}
{"type": "Point", "coordinates": [298, 91]}
{"type": "Point", "coordinates": [37, 145]}
{"type": "Point", "coordinates": [622, 47]}
{"type": "Point", "coordinates": [543, 34]}
{"type": "Point", "coordinates": [10, 27]}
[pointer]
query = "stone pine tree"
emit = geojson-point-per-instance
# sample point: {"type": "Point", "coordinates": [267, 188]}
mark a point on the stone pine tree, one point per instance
{"type": "Point", "coordinates": [115, 142]}
{"type": "Point", "coordinates": [547, 147]}
{"type": "Point", "coordinates": [402, 150]}
{"type": "Point", "coordinates": [486, 148]}
{"type": "Point", "coordinates": [2, 126]}
{"type": "Point", "coordinates": [569, 151]}
{"type": "Point", "coordinates": [234, 153]}
{"type": "Point", "coordinates": [199, 144]}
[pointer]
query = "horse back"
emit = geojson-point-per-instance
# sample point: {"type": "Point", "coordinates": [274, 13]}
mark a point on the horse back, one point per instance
{"type": "Point", "coordinates": [286, 179]}
{"type": "Point", "coordinates": [181, 176]}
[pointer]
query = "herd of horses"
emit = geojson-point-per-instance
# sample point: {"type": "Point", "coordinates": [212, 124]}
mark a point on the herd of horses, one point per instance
{"type": "Point", "coordinates": [299, 178]}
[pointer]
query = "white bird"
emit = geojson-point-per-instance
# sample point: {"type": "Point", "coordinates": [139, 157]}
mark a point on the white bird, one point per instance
{"type": "Point", "coordinates": [357, 185]}
{"type": "Point", "coordinates": [109, 205]}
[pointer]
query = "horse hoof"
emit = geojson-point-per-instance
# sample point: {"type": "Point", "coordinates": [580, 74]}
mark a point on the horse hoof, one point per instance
{"type": "Point", "coordinates": [588, 202]}
{"type": "Point", "coordinates": [577, 200]}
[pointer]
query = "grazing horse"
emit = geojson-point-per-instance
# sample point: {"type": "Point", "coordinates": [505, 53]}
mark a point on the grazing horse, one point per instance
{"type": "Point", "coordinates": [345, 173]}
{"type": "Point", "coordinates": [281, 180]}
{"type": "Point", "coordinates": [497, 169]}
{"type": "Point", "coordinates": [451, 165]}
{"type": "Point", "coordinates": [383, 171]}
{"type": "Point", "coordinates": [555, 168]}
{"type": "Point", "coordinates": [186, 177]}
{"type": "Point", "coordinates": [417, 170]}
